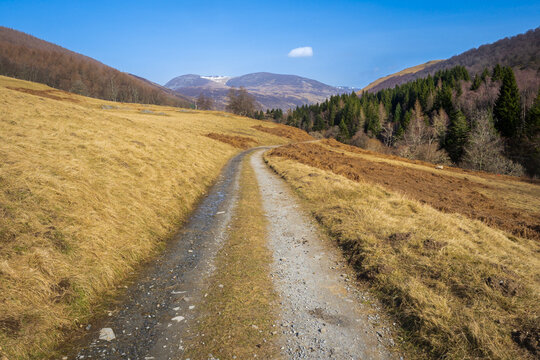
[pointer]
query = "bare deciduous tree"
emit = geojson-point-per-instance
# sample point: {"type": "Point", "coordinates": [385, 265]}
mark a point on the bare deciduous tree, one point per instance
{"type": "Point", "coordinates": [418, 132]}
{"type": "Point", "coordinates": [440, 124]}
{"type": "Point", "coordinates": [387, 133]}
{"type": "Point", "coordinates": [484, 149]}
{"type": "Point", "coordinates": [420, 140]}
{"type": "Point", "coordinates": [241, 102]}
{"type": "Point", "coordinates": [205, 102]}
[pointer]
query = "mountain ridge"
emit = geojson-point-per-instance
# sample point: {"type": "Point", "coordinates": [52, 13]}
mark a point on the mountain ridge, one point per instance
{"type": "Point", "coordinates": [271, 90]}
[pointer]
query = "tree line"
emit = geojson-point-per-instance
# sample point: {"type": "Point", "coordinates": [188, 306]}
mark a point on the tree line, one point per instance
{"type": "Point", "coordinates": [482, 123]}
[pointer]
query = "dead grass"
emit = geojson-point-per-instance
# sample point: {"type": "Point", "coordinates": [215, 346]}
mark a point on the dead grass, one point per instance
{"type": "Point", "coordinates": [513, 191]}
{"type": "Point", "coordinates": [480, 200]}
{"type": "Point", "coordinates": [288, 132]}
{"type": "Point", "coordinates": [237, 314]}
{"type": "Point", "coordinates": [88, 190]}
{"type": "Point", "coordinates": [241, 142]}
{"type": "Point", "coordinates": [459, 289]}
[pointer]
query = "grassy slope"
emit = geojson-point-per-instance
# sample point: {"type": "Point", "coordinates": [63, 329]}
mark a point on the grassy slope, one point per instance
{"type": "Point", "coordinates": [86, 194]}
{"type": "Point", "coordinates": [458, 287]}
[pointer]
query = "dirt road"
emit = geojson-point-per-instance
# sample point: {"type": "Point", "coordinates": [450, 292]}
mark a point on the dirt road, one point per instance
{"type": "Point", "coordinates": [321, 314]}
{"type": "Point", "coordinates": [158, 309]}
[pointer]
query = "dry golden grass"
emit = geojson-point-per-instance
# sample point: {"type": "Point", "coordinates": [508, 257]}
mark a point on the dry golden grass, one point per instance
{"type": "Point", "coordinates": [510, 203]}
{"type": "Point", "coordinates": [237, 317]}
{"type": "Point", "coordinates": [88, 190]}
{"type": "Point", "coordinates": [459, 289]}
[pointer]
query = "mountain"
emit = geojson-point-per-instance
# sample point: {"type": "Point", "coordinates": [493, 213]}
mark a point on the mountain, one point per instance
{"type": "Point", "coordinates": [270, 90]}
{"type": "Point", "coordinates": [521, 52]}
{"type": "Point", "coordinates": [26, 57]}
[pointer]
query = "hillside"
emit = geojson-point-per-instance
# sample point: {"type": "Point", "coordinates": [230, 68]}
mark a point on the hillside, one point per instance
{"type": "Point", "coordinates": [89, 190]}
{"type": "Point", "coordinates": [388, 79]}
{"type": "Point", "coordinates": [521, 52]}
{"type": "Point", "coordinates": [453, 255]}
{"type": "Point", "coordinates": [270, 90]}
{"type": "Point", "coordinates": [490, 122]}
{"type": "Point", "coordinates": [29, 58]}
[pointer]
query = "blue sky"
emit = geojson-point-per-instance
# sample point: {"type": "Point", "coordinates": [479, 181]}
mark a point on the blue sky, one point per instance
{"type": "Point", "coordinates": [353, 42]}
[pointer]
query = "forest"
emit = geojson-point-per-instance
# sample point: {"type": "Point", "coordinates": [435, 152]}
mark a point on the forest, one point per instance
{"type": "Point", "coordinates": [25, 57]}
{"type": "Point", "coordinates": [489, 121]}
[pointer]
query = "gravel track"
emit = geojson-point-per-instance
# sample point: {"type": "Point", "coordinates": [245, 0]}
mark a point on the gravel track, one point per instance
{"type": "Point", "coordinates": [322, 316]}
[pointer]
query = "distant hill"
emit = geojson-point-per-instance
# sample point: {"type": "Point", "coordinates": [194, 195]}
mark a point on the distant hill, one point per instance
{"type": "Point", "coordinates": [521, 52]}
{"type": "Point", "coordinates": [26, 57]}
{"type": "Point", "coordinates": [411, 70]}
{"type": "Point", "coordinates": [270, 90]}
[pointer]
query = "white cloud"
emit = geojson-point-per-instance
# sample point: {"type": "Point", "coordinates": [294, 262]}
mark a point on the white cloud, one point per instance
{"type": "Point", "coordinates": [306, 51]}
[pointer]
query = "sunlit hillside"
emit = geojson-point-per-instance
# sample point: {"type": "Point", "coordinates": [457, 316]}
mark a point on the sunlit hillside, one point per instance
{"type": "Point", "coordinates": [410, 70]}
{"type": "Point", "coordinates": [89, 189]}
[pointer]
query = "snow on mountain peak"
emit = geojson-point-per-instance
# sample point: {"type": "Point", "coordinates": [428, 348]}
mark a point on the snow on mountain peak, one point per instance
{"type": "Point", "coordinates": [218, 79]}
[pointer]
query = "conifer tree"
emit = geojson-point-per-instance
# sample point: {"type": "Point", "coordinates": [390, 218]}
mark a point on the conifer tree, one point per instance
{"type": "Point", "coordinates": [331, 115]}
{"type": "Point", "coordinates": [397, 113]}
{"type": "Point", "coordinates": [406, 119]}
{"type": "Point", "coordinates": [532, 120]}
{"type": "Point", "coordinates": [476, 83]}
{"type": "Point", "coordinates": [373, 124]}
{"type": "Point", "coordinates": [343, 132]}
{"type": "Point", "coordinates": [484, 75]}
{"type": "Point", "coordinates": [319, 123]}
{"type": "Point", "coordinates": [507, 110]}
{"type": "Point", "coordinates": [497, 73]}
{"type": "Point", "coordinates": [457, 136]}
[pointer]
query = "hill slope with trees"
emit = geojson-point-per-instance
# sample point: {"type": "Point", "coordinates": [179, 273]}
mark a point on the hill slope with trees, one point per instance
{"type": "Point", "coordinates": [26, 57]}
{"type": "Point", "coordinates": [489, 122]}
{"type": "Point", "coordinates": [519, 52]}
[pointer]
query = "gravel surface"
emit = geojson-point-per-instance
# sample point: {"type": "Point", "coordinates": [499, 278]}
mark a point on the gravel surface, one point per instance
{"type": "Point", "coordinates": [322, 314]}
{"type": "Point", "coordinates": [160, 308]}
